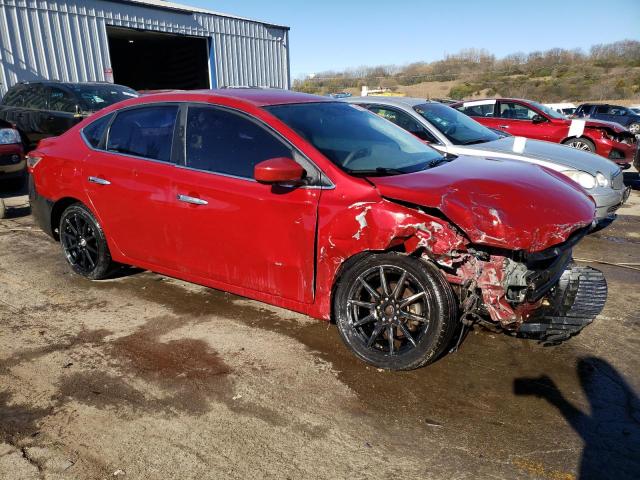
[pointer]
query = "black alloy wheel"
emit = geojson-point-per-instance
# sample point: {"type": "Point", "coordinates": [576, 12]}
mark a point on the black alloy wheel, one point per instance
{"type": "Point", "coordinates": [83, 243]}
{"type": "Point", "coordinates": [394, 311]}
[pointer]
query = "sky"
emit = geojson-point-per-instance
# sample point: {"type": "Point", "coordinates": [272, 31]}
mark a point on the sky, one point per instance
{"type": "Point", "coordinates": [335, 35]}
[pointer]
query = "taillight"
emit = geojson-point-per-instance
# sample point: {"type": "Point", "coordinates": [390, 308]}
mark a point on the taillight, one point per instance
{"type": "Point", "coordinates": [32, 160]}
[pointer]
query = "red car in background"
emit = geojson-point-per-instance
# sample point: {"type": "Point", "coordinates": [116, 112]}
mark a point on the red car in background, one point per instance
{"type": "Point", "coordinates": [525, 118]}
{"type": "Point", "coordinates": [324, 208]}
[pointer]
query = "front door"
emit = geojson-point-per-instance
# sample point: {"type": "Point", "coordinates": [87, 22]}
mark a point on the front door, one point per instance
{"type": "Point", "coordinates": [129, 183]}
{"type": "Point", "coordinates": [233, 229]}
{"type": "Point", "coordinates": [517, 119]}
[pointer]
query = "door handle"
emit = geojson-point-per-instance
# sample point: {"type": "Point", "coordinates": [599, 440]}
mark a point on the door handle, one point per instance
{"type": "Point", "coordinates": [99, 181]}
{"type": "Point", "coordinates": [192, 200]}
{"type": "Point", "coordinates": [504, 126]}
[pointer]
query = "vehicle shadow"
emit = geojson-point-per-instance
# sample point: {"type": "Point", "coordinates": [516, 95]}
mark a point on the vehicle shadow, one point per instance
{"type": "Point", "coordinates": [611, 432]}
{"type": "Point", "coordinates": [632, 179]}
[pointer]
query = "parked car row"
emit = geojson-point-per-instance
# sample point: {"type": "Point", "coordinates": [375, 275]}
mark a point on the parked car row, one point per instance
{"type": "Point", "coordinates": [452, 132]}
{"type": "Point", "coordinates": [530, 119]}
{"type": "Point", "coordinates": [323, 207]}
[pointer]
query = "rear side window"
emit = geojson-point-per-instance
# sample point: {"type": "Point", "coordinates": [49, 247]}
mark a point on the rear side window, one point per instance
{"type": "Point", "coordinates": [94, 132]}
{"type": "Point", "coordinates": [14, 97]}
{"type": "Point", "coordinates": [34, 97]}
{"type": "Point", "coordinates": [485, 110]}
{"type": "Point", "coordinates": [144, 132]}
{"type": "Point", "coordinates": [224, 142]}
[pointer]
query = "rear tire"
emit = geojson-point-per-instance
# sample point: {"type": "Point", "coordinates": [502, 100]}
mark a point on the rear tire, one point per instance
{"type": "Point", "coordinates": [394, 311]}
{"type": "Point", "coordinates": [83, 243]}
{"type": "Point", "coordinates": [581, 143]}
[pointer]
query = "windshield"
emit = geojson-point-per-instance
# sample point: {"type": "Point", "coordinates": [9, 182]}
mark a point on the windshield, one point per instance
{"type": "Point", "coordinates": [95, 97]}
{"type": "Point", "coordinates": [356, 140]}
{"type": "Point", "coordinates": [459, 128]}
{"type": "Point", "coordinates": [549, 112]}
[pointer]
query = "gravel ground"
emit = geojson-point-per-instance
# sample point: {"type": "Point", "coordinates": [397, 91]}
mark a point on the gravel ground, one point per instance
{"type": "Point", "coordinates": [147, 377]}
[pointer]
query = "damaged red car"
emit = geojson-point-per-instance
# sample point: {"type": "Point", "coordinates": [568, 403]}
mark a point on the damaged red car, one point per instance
{"type": "Point", "coordinates": [323, 208]}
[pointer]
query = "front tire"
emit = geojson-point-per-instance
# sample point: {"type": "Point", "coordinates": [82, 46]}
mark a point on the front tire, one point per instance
{"type": "Point", "coordinates": [394, 311]}
{"type": "Point", "coordinates": [581, 143]}
{"type": "Point", "coordinates": [634, 128]}
{"type": "Point", "coordinates": [83, 243]}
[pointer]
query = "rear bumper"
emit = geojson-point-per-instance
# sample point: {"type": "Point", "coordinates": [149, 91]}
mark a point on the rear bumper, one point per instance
{"type": "Point", "coordinates": [574, 303]}
{"type": "Point", "coordinates": [41, 208]}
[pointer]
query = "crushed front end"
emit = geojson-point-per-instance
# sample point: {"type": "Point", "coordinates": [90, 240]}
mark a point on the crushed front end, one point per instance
{"type": "Point", "coordinates": [541, 295]}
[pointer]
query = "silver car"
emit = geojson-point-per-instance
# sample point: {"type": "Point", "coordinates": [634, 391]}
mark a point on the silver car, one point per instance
{"type": "Point", "coordinates": [452, 132]}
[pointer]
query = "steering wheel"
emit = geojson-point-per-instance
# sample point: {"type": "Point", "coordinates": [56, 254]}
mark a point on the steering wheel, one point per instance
{"type": "Point", "coordinates": [451, 128]}
{"type": "Point", "coordinates": [363, 152]}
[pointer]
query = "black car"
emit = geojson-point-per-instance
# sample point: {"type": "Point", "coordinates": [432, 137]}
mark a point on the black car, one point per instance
{"type": "Point", "coordinates": [611, 113]}
{"type": "Point", "coordinates": [46, 109]}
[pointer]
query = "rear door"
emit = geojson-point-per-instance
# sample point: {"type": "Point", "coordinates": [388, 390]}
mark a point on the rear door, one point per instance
{"type": "Point", "coordinates": [482, 111]}
{"type": "Point", "coordinates": [232, 228]}
{"type": "Point", "coordinates": [128, 178]}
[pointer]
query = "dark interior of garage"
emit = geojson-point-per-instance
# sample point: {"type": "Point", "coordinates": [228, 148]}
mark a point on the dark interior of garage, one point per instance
{"type": "Point", "coordinates": [146, 60]}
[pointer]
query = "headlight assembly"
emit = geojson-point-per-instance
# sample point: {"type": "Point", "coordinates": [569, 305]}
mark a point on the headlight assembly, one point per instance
{"type": "Point", "coordinates": [9, 136]}
{"type": "Point", "coordinates": [584, 179]}
{"type": "Point", "coordinates": [602, 180]}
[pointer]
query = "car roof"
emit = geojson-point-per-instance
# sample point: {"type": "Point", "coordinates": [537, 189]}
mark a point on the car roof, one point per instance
{"type": "Point", "coordinates": [259, 97]}
{"type": "Point", "coordinates": [69, 84]}
{"type": "Point", "coordinates": [400, 101]}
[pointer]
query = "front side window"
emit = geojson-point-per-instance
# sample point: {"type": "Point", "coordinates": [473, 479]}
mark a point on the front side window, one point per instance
{"type": "Point", "coordinates": [144, 132]}
{"type": "Point", "coordinates": [404, 121]}
{"type": "Point", "coordinates": [221, 141]}
{"type": "Point", "coordinates": [95, 97]}
{"type": "Point", "coordinates": [457, 127]}
{"type": "Point", "coordinates": [515, 111]}
{"type": "Point", "coordinates": [356, 140]}
{"type": "Point", "coordinates": [61, 100]}
{"type": "Point", "coordinates": [94, 132]}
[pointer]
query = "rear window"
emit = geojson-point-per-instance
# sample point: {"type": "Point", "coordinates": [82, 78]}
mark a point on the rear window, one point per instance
{"type": "Point", "coordinates": [94, 132]}
{"type": "Point", "coordinates": [13, 97]}
{"type": "Point", "coordinates": [144, 132]}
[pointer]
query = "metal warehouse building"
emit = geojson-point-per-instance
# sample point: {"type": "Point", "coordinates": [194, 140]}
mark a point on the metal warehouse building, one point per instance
{"type": "Point", "coordinates": [144, 44]}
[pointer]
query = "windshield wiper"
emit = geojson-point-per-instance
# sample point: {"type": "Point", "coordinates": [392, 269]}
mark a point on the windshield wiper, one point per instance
{"type": "Point", "coordinates": [439, 160]}
{"type": "Point", "coordinates": [473, 142]}
{"type": "Point", "coordinates": [377, 171]}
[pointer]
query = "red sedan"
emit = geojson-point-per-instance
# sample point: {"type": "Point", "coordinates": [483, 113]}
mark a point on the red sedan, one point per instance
{"type": "Point", "coordinates": [525, 118]}
{"type": "Point", "coordinates": [324, 208]}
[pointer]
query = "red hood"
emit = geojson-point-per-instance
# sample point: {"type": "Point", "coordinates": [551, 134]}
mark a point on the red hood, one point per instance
{"type": "Point", "coordinates": [502, 203]}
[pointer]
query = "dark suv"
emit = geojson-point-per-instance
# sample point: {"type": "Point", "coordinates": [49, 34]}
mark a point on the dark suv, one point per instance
{"type": "Point", "coordinates": [46, 109]}
{"type": "Point", "coordinates": [611, 113]}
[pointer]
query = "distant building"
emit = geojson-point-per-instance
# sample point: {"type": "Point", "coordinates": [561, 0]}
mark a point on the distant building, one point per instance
{"type": "Point", "coordinates": [144, 44]}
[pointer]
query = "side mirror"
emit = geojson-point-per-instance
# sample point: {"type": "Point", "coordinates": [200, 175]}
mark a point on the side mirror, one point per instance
{"type": "Point", "coordinates": [538, 119]}
{"type": "Point", "coordinates": [278, 170]}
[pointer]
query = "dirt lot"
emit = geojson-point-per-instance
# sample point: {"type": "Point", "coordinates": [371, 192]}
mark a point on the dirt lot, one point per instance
{"type": "Point", "coordinates": [147, 377]}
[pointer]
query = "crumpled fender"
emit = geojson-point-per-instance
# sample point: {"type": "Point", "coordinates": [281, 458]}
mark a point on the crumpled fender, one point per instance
{"type": "Point", "coordinates": [378, 226]}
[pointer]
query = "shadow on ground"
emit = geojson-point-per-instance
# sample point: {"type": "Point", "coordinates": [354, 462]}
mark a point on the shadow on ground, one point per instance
{"type": "Point", "coordinates": [610, 431]}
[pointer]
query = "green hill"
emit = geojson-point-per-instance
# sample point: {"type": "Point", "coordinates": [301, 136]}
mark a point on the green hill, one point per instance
{"type": "Point", "coordinates": [607, 71]}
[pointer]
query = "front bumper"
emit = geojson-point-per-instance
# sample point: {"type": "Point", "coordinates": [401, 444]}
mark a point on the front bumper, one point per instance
{"type": "Point", "coordinates": [607, 203]}
{"type": "Point", "coordinates": [571, 305]}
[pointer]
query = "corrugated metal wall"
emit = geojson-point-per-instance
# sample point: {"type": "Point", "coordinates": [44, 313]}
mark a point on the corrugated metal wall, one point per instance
{"type": "Point", "coordinates": [67, 40]}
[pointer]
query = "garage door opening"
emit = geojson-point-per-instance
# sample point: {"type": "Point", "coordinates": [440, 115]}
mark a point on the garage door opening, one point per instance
{"type": "Point", "coordinates": [146, 60]}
